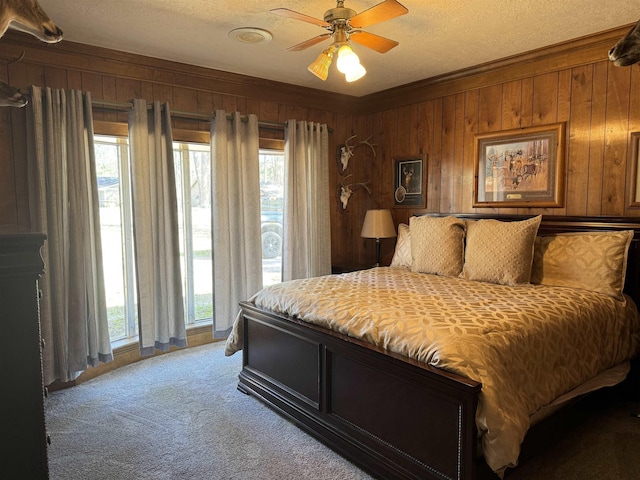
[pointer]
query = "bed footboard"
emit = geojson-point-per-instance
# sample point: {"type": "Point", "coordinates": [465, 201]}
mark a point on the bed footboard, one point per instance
{"type": "Point", "coordinates": [394, 417]}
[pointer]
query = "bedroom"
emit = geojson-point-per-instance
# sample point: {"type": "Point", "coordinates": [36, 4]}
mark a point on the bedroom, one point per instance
{"type": "Point", "coordinates": [572, 83]}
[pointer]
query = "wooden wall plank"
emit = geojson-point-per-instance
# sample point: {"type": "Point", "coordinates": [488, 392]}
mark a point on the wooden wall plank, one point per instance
{"type": "Point", "coordinates": [447, 166]}
{"type": "Point", "coordinates": [490, 109]}
{"type": "Point", "coordinates": [597, 138]}
{"type": "Point", "coordinates": [526, 109]}
{"type": "Point", "coordinates": [458, 167]}
{"type": "Point", "coordinates": [545, 99]}
{"type": "Point", "coordinates": [511, 105]}
{"type": "Point", "coordinates": [617, 123]}
{"type": "Point", "coordinates": [578, 135]}
{"type": "Point", "coordinates": [471, 126]}
{"type": "Point", "coordinates": [55, 77]}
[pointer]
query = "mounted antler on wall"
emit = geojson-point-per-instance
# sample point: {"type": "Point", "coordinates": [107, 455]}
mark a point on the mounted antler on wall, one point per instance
{"type": "Point", "coordinates": [25, 16]}
{"type": "Point", "coordinates": [345, 191]}
{"type": "Point", "coordinates": [345, 151]}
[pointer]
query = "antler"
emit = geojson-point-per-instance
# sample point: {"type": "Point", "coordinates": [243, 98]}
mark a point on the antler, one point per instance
{"type": "Point", "coordinates": [13, 60]}
{"type": "Point", "coordinates": [371, 145]}
{"type": "Point", "coordinates": [365, 185]}
{"type": "Point", "coordinates": [345, 191]}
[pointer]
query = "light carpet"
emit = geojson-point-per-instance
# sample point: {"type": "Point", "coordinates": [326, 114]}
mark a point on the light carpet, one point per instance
{"type": "Point", "coordinates": [180, 416]}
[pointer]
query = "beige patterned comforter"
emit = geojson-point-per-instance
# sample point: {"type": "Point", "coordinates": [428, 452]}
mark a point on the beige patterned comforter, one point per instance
{"type": "Point", "coordinates": [527, 345]}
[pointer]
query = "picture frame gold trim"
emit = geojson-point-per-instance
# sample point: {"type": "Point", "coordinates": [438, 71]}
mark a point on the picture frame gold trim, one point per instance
{"type": "Point", "coordinates": [634, 169]}
{"type": "Point", "coordinates": [520, 168]}
{"type": "Point", "coordinates": [410, 181]}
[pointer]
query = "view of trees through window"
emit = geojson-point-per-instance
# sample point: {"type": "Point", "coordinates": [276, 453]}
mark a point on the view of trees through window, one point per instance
{"type": "Point", "coordinates": [193, 187]}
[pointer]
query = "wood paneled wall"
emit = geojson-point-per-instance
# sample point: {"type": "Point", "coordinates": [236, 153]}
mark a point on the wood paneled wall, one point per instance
{"type": "Point", "coordinates": [116, 76]}
{"type": "Point", "coordinates": [572, 83]}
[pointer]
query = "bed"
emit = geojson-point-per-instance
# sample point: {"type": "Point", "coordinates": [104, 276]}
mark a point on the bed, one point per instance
{"type": "Point", "coordinates": [430, 405]}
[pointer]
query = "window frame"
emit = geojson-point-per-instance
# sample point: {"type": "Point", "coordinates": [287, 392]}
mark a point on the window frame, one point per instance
{"type": "Point", "coordinates": [120, 131]}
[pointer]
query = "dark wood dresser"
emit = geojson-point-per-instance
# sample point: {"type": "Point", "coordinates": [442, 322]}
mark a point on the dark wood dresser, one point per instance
{"type": "Point", "coordinates": [24, 450]}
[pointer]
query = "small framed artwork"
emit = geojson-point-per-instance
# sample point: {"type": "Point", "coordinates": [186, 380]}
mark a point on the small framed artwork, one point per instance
{"type": "Point", "coordinates": [634, 166]}
{"type": "Point", "coordinates": [520, 168]}
{"type": "Point", "coordinates": [409, 181]}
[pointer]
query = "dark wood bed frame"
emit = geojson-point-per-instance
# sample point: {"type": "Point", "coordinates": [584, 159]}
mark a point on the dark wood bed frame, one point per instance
{"type": "Point", "coordinates": [394, 417]}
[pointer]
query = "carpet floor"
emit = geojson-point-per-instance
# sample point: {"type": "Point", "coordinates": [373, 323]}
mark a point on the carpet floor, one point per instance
{"type": "Point", "coordinates": [180, 416]}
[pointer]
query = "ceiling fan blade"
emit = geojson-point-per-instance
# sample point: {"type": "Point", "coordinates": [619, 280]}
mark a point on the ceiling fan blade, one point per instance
{"type": "Point", "coordinates": [285, 12]}
{"type": "Point", "coordinates": [309, 43]}
{"type": "Point", "coordinates": [372, 41]}
{"type": "Point", "coordinates": [378, 13]}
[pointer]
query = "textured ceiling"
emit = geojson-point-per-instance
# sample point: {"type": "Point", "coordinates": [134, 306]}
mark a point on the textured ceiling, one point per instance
{"type": "Point", "coordinates": [436, 36]}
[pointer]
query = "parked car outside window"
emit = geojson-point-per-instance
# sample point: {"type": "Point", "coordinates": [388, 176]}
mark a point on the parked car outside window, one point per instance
{"type": "Point", "coordinates": [271, 234]}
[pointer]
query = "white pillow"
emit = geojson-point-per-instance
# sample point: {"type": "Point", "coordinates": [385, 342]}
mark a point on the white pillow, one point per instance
{"type": "Point", "coordinates": [402, 254]}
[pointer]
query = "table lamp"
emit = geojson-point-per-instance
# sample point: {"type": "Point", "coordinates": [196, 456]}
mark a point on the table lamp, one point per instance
{"type": "Point", "coordinates": [378, 224]}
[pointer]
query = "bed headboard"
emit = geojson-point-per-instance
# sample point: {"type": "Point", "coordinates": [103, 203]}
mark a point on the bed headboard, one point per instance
{"type": "Point", "coordinates": [552, 224]}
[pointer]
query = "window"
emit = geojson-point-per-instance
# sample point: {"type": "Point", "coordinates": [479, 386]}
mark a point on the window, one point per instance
{"type": "Point", "coordinates": [193, 188]}
{"type": "Point", "coordinates": [193, 185]}
{"type": "Point", "coordinates": [271, 212]}
{"type": "Point", "coordinates": [116, 230]}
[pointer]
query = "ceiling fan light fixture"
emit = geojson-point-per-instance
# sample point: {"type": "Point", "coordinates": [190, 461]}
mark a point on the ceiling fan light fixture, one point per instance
{"type": "Point", "coordinates": [320, 67]}
{"type": "Point", "coordinates": [355, 74]}
{"type": "Point", "coordinates": [347, 59]}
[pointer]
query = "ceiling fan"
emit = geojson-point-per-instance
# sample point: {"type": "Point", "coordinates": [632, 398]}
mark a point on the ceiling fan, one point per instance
{"type": "Point", "coordinates": [345, 24]}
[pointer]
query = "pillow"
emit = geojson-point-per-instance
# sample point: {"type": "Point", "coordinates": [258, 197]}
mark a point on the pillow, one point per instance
{"type": "Point", "coordinates": [500, 252]}
{"type": "Point", "coordinates": [402, 255]}
{"type": "Point", "coordinates": [591, 261]}
{"type": "Point", "coordinates": [437, 245]}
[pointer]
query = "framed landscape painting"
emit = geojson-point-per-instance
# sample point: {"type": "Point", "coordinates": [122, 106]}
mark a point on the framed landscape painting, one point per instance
{"type": "Point", "coordinates": [520, 168]}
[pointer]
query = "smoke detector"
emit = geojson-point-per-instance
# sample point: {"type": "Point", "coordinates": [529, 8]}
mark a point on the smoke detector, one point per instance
{"type": "Point", "coordinates": [250, 35]}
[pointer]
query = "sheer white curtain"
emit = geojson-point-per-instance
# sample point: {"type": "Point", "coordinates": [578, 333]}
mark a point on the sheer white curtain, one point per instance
{"type": "Point", "coordinates": [155, 225]}
{"type": "Point", "coordinates": [63, 201]}
{"type": "Point", "coordinates": [307, 228]}
{"type": "Point", "coordinates": [237, 246]}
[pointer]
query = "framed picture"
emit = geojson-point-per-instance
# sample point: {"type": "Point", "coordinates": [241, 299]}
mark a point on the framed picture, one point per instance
{"type": "Point", "coordinates": [409, 181]}
{"type": "Point", "coordinates": [634, 166]}
{"type": "Point", "coordinates": [520, 168]}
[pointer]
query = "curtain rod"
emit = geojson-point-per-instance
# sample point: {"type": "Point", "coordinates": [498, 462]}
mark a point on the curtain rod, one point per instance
{"type": "Point", "coordinates": [125, 106]}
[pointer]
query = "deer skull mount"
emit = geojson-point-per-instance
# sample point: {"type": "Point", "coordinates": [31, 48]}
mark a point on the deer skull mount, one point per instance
{"type": "Point", "coordinates": [345, 151]}
{"type": "Point", "coordinates": [345, 191]}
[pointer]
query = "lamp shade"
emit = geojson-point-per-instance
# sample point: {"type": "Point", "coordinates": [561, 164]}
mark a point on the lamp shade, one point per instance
{"type": "Point", "coordinates": [378, 224]}
{"type": "Point", "coordinates": [355, 74]}
{"type": "Point", "coordinates": [320, 67]}
{"type": "Point", "coordinates": [347, 59]}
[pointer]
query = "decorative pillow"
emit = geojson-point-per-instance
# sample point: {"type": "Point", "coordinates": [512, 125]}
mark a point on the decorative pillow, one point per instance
{"type": "Point", "coordinates": [437, 245]}
{"type": "Point", "coordinates": [402, 254]}
{"type": "Point", "coordinates": [591, 261]}
{"type": "Point", "coordinates": [500, 252]}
